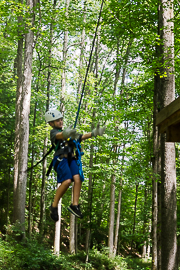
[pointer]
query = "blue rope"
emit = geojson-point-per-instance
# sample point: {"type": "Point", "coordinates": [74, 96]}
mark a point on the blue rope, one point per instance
{"type": "Point", "coordinates": [82, 93]}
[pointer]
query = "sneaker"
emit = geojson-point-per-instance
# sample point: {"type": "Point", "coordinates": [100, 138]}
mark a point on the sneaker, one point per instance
{"type": "Point", "coordinates": [75, 210]}
{"type": "Point", "coordinates": [54, 213]}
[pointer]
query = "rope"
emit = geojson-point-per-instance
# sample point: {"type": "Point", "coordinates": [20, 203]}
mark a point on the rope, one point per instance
{"type": "Point", "coordinates": [50, 150]}
{"type": "Point", "coordinates": [82, 93]}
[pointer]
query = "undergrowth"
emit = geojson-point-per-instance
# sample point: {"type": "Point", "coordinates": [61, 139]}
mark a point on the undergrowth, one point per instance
{"type": "Point", "coordinates": [29, 254]}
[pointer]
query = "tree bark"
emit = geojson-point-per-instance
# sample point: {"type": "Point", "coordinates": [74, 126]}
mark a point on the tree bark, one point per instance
{"type": "Point", "coordinates": [82, 53]}
{"type": "Point", "coordinates": [116, 234]}
{"type": "Point", "coordinates": [168, 166]}
{"type": "Point", "coordinates": [113, 177]}
{"type": "Point", "coordinates": [111, 216]}
{"type": "Point", "coordinates": [72, 233]}
{"type": "Point", "coordinates": [90, 187]}
{"type": "Point", "coordinates": [144, 247]}
{"type": "Point", "coordinates": [18, 113]}
{"type": "Point", "coordinates": [134, 220]}
{"type": "Point", "coordinates": [31, 179]}
{"type": "Point", "coordinates": [88, 232]}
{"type": "Point", "coordinates": [22, 126]}
{"type": "Point", "coordinates": [57, 230]}
{"type": "Point", "coordinates": [63, 78]}
{"type": "Point", "coordinates": [43, 185]}
{"type": "Point", "coordinates": [119, 206]}
{"type": "Point", "coordinates": [156, 170]}
{"type": "Point", "coordinates": [42, 202]}
{"type": "Point", "coordinates": [112, 243]}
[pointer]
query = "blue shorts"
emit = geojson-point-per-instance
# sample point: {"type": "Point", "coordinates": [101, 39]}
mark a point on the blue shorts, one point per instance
{"type": "Point", "coordinates": [64, 170]}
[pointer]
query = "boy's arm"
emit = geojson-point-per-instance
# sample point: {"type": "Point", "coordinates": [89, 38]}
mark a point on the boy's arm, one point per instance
{"type": "Point", "coordinates": [66, 133]}
{"type": "Point", "coordinates": [59, 136]}
{"type": "Point", "coordinates": [70, 132]}
{"type": "Point", "coordinates": [96, 131]}
{"type": "Point", "coordinates": [86, 136]}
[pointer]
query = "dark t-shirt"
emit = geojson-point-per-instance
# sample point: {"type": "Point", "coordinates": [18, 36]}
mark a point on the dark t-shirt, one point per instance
{"type": "Point", "coordinates": [53, 133]}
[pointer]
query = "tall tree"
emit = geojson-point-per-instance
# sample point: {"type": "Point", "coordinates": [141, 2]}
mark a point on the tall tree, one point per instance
{"type": "Point", "coordinates": [116, 234]}
{"type": "Point", "coordinates": [22, 117]}
{"type": "Point", "coordinates": [50, 45]}
{"type": "Point", "coordinates": [168, 166]}
{"type": "Point", "coordinates": [18, 109]}
{"type": "Point", "coordinates": [155, 179]}
{"type": "Point", "coordinates": [65, 49]}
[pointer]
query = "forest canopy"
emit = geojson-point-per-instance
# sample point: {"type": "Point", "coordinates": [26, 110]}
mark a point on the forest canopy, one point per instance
{"type": "Point", "coordinates": [44, 53]}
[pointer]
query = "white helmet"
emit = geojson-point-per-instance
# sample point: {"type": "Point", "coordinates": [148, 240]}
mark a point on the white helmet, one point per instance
{"type": "Point", "coordinates": [52, 115]}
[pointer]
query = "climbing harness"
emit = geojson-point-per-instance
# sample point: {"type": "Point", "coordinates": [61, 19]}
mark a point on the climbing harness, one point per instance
{"type": "Point", "coordinates": [79, 154]}
{"type": "Point", "coordinates": [68, 150]}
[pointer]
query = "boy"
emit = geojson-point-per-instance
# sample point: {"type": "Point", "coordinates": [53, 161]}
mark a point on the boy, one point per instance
{"type": "Point", "coordinates": [64, 161]}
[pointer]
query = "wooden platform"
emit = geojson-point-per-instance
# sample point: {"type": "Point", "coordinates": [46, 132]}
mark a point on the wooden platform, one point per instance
{"type": "Point", "coordinates": [168, 120]}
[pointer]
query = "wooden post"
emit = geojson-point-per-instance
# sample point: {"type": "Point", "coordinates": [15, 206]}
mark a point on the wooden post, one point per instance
{"type": "Point", "coordinates": [57, 229]}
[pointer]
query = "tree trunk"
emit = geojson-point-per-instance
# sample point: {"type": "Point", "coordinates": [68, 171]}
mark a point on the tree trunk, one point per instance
{"type": "Point", "coordinates": [154, 185]}
{"type": "Point", "coordinates": [88, 232]}
{"type": "Point", "coordinates": [82, 52]}
{"type": "Point", "coordinates": [134, 222]}
{"type": "Point", "coordinates": [144, 247]}
{"type": "Point", "coordinates": [90, 189]}
{"type": "Point", "coordinates": [43, 184]}
{"type": "Point", "coordinates": [42, 202]}
{"type": "Point", "coordinates": [119, 207]}
{"type": "Point", "coordinates": [57, 230]}
{"type": "Point", "coordinates": [156, 171]}
{"type": "Point", "coordinates": [72, 243]}
{"type": "Point", "coordinates": [62, 108]}
{"type": "Point", "coordinates": [117, 220]}
{"type": "Point", "coordinates": [113, 177]}
{"type": "Point", "coordinates": [18, 114]}
{"type": "Point", "coordinates": [22, 128]}
{"type": "Point", "coordinates": [31, 179]}
{"type": "Point", "coordinates": [63, 78]}
{"type": "Point", "coordinates": [111, 216]}
{"type": "Point", "coordinates": [148, 246]}
{"type": "Point", "coordinates": [168, 166]}
{"type": "Point", "coordinates": [168, 207]}
{"type": "Point", "coordinates": [113, 243]}
{"type": "Point", "coordinates": [8, 195]}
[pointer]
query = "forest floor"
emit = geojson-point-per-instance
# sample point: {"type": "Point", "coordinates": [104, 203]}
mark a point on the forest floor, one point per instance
{"type": "Point", "coordinates": [33, 255]}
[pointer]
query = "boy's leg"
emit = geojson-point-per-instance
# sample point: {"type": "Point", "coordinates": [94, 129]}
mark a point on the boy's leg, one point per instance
{"type": "Point", "coordinates": [60, 191]}
{"type": "Point", "coordinates": [74, 207]}
{"type": "Point", "coordinates": [76, 189]}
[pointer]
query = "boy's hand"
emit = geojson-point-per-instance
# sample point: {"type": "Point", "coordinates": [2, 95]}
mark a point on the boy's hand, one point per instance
{"type": "Point", "coordinates": [98, 131]}
{"type": "Point", "coordinates": [69, 132]}
{"type": "Point", "coordinates": [75, 136]}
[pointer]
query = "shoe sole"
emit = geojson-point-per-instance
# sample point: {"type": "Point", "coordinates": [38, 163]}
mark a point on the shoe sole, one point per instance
{"type": "Point", "coordinates": [74, 213]}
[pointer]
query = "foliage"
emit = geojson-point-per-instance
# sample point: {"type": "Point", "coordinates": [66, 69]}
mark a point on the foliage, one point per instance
{"type": "Point", "coordinates": [138, 264]}
{"type": "Point", "coordinates": [29, 254]}
{"type": "Point", "coordinates": [127, 47]}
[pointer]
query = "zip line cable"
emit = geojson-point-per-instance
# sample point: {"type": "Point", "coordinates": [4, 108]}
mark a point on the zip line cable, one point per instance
{"type": "Point", "coordinates": [50, 150]}
{"type": "Point", "coordinates": [87, 70]}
